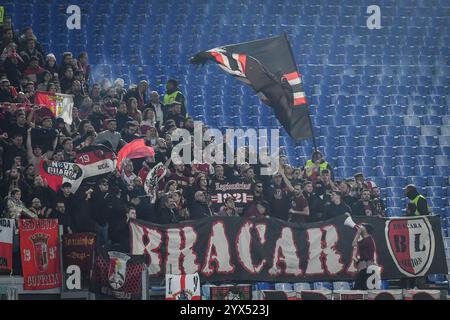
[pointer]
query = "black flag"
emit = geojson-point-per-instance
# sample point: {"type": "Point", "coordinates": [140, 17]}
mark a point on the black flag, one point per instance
{"type": "Point", "coordinates": [268, 66]}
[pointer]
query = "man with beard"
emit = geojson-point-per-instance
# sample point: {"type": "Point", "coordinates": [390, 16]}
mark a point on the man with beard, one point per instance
{"type": "Point", "coordinates": [218, 175]}
{"type": "Point", "coordinates": [278, 198]}
{"type": "Point", "coordinates": [345, 188]}
{"type": "Point", "coordinates": [129, 133]}
{"type": "Point", "coordinates": [299, 210]}
{"type": "Point", "coordinates": [180, 175]}
{"type": "Point", "coordinates": [15, 149]}
{"type": "Point", "coordinates": [318, 201]}
{"type": "Point", "coordinates": [38, 210]}
{"type": "Point", "coordinates": [111, 135]}
{"type": "Point", "coordinates": [97, 117]}
{"type": "Point", "coordinates": [364, 207]}
{"type": "Point", "coordinates": [64, 217]}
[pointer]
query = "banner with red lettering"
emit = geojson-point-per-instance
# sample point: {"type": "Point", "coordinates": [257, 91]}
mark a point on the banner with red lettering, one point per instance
{"type": "Point", "coordinates": [40, 254]}
{"type": "Point", "coordinates": [266, 249]}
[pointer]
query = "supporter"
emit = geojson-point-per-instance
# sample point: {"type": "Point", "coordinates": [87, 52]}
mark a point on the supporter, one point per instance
{"type": "Point", "coordinates": [64, 218]}
{"type": "Point", "coordinates": [111, 135]}
{"type": "Point", "coordinates": [101, 200]}
{"type": "Point", "coordinates": [119, 90]}
{"type": "Point", "coordinates": [65, 63]}
{"type": "Point", "coordinates": [30, 51]}
{"type": "Point", "coordinates": [299, 210]}
{"type": "Point", "coordinates": [12, 68]}
{"type": "Point", "coordinates": [122, 116]}
{"type": "Point", "coordinates": [14, 149]}
{"type": "Point", "coordinates": [161, 153]}
{"type": "Point", "coordinates": [43, 80]}
{"type": "Point", "coordinates": [378, 203]}
{"type": "Point", "coordinates": [120, 233]}
{"type": "Point", "coordinates": [218, 175]}
{"type": "Point", "coordinates": [200, 207]}
{"type": "Point", "coordinates": [325, 177]}
{"type": "Point", "coordinates": [175, 114]}
{"type": "Point", "coordinates": [173, 94]}
{"type": "Point", "coordinates": [42, 192]}
{"type": "Point", "coordinates": [139, 93]}
{"type": "Point", "coordinates": [28, 34]}
{"type": "Point", "coordinates": [67, 80]}
{"type": "Point", "coordinates": [15, 208]}
{"type": "Point", "coordinates": [345, 188]}
{"type": "Point", "coordinates": [181, 175]}
{"type": "Point", "coordinates": [278, 198]}
{"type": "Point", "coordinates": [228, 209]}
{"type": "Point", "coordinates": [366, 250]}
{"type": "Point", "coordinates": [33, 71]}
{"type": "Point", "coordinates": [180, 204]}
{"type": "Point", "coordinates": [157, 108]}
{"type": "Point", "coordinates": [168, 213]}
{"type": "Point", "coordinates": [128, 173]}
{"type": "Point", "coordinates": [132, 109]}
{"type": "Point", "coordinates": [337, 207]}
{"type": "Point", "coordinates": [50, 64]}
{"type": "Point", "coordinates": [38, 210]}
{"type": "Point", "coordinates": [7, 93]}
{"type": "Point", "coordinates": [95, 93]}
{"type": "Point", "coordinates": [318, 203]}
{"type": "Point", "coordinates": [83, 65]}
{"type": "Point", "coordinates": [130, 132]}
{"type": "Point", "coordinates": [364, 207]}
{"type": "Point", "coordinates": [148, 121]}
{"type": "Point", "coordinates": [97, 118]}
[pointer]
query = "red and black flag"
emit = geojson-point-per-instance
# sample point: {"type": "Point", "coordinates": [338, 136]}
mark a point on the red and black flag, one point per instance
{"type": "Point", "coordinates": [268, 66]}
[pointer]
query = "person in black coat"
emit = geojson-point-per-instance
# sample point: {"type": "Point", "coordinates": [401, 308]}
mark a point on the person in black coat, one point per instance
{"type": "Point", "coordinates": [167, 212]}
{"type": "Point", "coordinates": [200, 208]}
{"type": "Point", "coordinates": [337, 207]}
{"type": "Point", "coordinates": [364, 206]}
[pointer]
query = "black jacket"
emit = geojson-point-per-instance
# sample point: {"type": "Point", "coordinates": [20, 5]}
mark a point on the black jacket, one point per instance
{"type": "Point", "coordinates": [199, 210]}
{"type": "Point", "coordinates": [358, 209]}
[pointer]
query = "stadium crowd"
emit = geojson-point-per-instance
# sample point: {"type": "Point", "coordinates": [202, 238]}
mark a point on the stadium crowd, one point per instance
{"type": "Point", "coordinates": [113, 115]}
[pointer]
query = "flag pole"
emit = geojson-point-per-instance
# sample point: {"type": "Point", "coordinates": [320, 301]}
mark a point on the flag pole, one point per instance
{"type": "Point", "coordinates": [309, 114]}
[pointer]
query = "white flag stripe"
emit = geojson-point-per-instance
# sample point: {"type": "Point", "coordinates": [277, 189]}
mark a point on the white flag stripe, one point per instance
{"type": "Point", "coordinates": [6, 233]}
{"type": "Point", "coordinates": [294, 81]}
{"type": "Point", "coordinates": [236, 57]}
{"type": "Point", "coordinates": [64, 106]}
{"type": "Point", "coordinates": [299, 95]}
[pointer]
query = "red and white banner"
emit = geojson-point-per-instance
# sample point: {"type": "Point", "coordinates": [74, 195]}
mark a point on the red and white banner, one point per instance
{"type": "Point", "coordinates": [6, 243]}
{"type": "Point", "coordinates": [183, 287]}
{"type": "Point", "coordinates": [56, 173]}
{"type": "Point", "coordinates": [40, 254]}
{"type": "Point", "coordinates": [96, 160]}
{"type": "Point", "coordinates": [60, 104]}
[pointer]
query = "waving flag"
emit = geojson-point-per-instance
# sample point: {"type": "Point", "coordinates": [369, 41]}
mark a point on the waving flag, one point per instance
{"type": "Point", "coordinates": [268, 66]}
{"type": "Point", "coordinates": [134, 150]}
{"type": "Point", "coordinates": [96, 160]}
{"type": "Point", "coordinates": [60, 104]}
{"type": "Point", "coordinates": [56, 173]}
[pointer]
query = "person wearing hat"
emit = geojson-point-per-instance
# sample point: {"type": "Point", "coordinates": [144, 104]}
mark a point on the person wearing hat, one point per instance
{"type": "Point", "coordinates": [418, 205]}
{"type": "Point", "coordinates": [111, 135]}
{"type": "Point", "coordinates": [50, 64]}
{"type": "Point", "coordinates": [173, 94]}
{"type": "Point", "coordinates": [314, 166]}
{"type": "Point", "coordinates": [337, 207]}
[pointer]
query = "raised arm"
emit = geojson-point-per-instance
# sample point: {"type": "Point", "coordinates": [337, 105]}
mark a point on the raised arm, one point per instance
{"type": "Point", "coordinates": [30, 155]}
